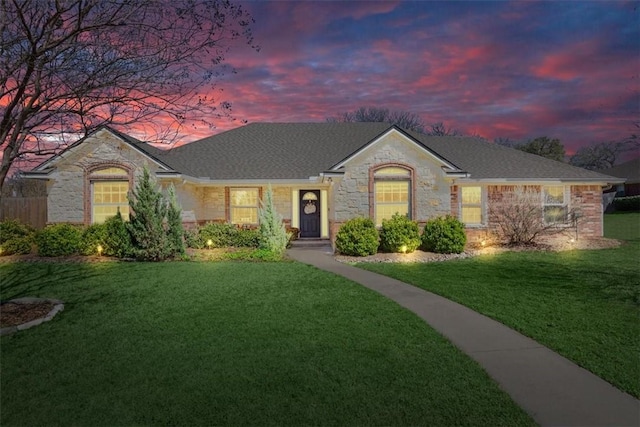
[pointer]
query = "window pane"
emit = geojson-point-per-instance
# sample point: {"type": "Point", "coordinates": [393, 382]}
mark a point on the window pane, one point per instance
{"type": "Point", "coordinates": [108, 197]}
{"type": "Point", "coordinates": [392, 171]}
{"type": "Point", "coordinates": [244, 215]}
{"type": "Point", "coordinates": [471, 195]}
{"type": "Point", "coordinates": [110, 171]}
{"type": "Point", "coordinates": [391, 197]}
{"type": "Point", "coordinates": [472, 215]}
{"type": "Point", "coordinates": [555, 214]}
{"type": "Point", "coordinates": [244, 197]}
{"type": "Point", "coordinates": [554, 195]}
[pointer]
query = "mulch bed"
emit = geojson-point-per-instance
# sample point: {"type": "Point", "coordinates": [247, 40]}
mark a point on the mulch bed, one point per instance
{"type": "Point", "coordinates": [12, 314]}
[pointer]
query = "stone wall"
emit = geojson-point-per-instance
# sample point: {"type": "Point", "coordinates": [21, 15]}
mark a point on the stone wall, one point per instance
{"type": "Point", "coordinates": [352, 194]}
{"type": "Point", "coordinates": [68, 190]}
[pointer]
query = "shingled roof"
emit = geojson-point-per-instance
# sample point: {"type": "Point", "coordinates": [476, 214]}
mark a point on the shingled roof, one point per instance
{"type": "Point", "coordinates": [301, 150]}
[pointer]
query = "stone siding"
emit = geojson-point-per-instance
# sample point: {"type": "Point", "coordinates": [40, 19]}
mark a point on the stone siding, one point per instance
{"type": "Point", "coordinates": [352, 193]}
{"type": "Point", "coordinates": [68, 192]}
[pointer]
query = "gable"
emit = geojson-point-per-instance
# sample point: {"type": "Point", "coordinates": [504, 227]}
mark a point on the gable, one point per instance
{"type": "Point", "coordinates": [103, 144]}
{"type": "Point", "coordinates": [393, 141]}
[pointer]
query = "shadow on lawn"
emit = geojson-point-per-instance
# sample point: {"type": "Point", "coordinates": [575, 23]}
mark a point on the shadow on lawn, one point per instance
{"type": "Point", "coordinates": [18, 281]}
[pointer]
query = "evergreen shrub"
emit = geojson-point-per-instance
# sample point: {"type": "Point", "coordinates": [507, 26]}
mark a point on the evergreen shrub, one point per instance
{"type": "Point", "coordinates": [444, 235]}
{"type": "Point", "coordinates": [221, 234]}
{"type": "Point", "coordinates": [273, 233]}
{"type": "Point", "coordinates": [630, 203]}
{"type": "Point", "coordinates": [117, 241]}
{"type": "Point", "coordinates": [175, 231]}
{"type": "Point", "coordinates": [154, 223]}
{"type": "Point", "coordinates": [15, 237]}
{"type": "Point", "coordinates": [93, 236]}
{"type": "Point", "coordinates": [246, 238]}
{"type": "Point", "coordinates": [399, 234]}
{"type": "Point", "coordinates": [357, 237]}
{"type": "Point", "coordinates": [59, 240]}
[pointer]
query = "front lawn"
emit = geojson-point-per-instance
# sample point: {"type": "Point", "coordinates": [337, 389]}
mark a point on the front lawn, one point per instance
{"type": "Point", "coordinates": [233, 344]}
{"type": "Point", "coordinates": [583, 304]}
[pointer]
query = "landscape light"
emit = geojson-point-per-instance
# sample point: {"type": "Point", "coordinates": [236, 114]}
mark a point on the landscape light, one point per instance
{"type": "Point", "coordinates": [209, 243]}
{"type": "Point", "coordinates": [403, 249]}
{"type": "Point", "coordinates": [100, 249]}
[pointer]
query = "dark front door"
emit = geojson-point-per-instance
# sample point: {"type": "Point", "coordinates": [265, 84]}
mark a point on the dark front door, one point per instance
{"type": "Point", "coordinates": [309, 213]}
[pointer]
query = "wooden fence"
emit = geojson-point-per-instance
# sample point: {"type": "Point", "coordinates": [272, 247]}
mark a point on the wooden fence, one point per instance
{"type": "Point", "coordinates": [28, 210]}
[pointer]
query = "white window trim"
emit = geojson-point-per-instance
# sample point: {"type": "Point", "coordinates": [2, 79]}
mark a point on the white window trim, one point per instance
{"type": "Point", "coordinates": [566, 203]}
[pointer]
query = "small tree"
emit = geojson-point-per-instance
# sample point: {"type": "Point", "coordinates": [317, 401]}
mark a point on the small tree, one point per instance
{"type": "Point", "coordinates": [273, 234]}
{"type": "Point", "coordinates": [148, 210]}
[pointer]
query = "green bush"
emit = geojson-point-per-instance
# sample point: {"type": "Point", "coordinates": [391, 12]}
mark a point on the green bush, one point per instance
{"type": "Point", "coordinates": [357, 237]}
{"type": "Point", "coordinates": [175, 231]}
{"type": "Point", "coordinates": [245, 238]}
{"type": "Point", "coordinates": [15, 238]}
{"type": "Point", "coordinates": [59, 240]}
{"type": "Point", "coordinates": [192, 238]}
{"type": "Point", "coordinates": [117, 240]}
{"type": "Point", "coordinates": [444, 235]}
{"type": "Point", "coordinates": [399, 234]}
{"type": "Point", "coordinates": [630, 203]}
{"type": "Point", "coordinates": [219, 233]}
{"type": "Point", "coordinates": [93, 236]}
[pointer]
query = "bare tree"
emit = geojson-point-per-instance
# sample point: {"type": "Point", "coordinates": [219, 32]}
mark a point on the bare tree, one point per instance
{"type": "Point", "coordinates": [603, 155]}
{"type": "Point", "coordinates": [519, 217]}
{"type": "Point", "coordinates": [69, 66]}
{"type": "Point", "coordinates": [439, 129]}
{"type": "Point", "coordinates": [403, 119]}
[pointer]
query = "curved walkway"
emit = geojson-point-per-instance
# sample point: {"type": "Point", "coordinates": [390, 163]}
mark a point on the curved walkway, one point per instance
{"type": "Point", "coordinates": [551, 388]}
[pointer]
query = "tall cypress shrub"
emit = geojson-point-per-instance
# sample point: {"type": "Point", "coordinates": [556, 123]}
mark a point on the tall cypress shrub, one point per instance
{"type": "Point", "coordinates": [273, 233]}
{"type": "Point", "coordinates": [175, 232]}
{"type": "Point", "coordinates": [148, 210]}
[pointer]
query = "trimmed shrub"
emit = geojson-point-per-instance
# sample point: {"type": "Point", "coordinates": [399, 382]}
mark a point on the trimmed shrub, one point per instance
{"type": "Point", "coordinates": [192, 238]}
{"type": "Point", "coordinates": [245, 238]}
{"type": "Point", "coordinates": [59, 240]}
{"type": "Point", "coordinates": [630, 203]}
{"type": "Point", "coordinates": [117, 240]}
{"type": "Point", "coordinates": [399, 234]}
{"type": "Point", "coordinates": [220, 233]}
{"type": "Point", "coordinates": [357, 237]}
{"type": "Point", "coordinates": [93, 236]}
{"type": "Point", "coordinates": [444, 235]}
{"type": "Point", "coordinates": [15, 238]}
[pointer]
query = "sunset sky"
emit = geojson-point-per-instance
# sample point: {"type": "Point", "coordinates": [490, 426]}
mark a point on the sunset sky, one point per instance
{"type": "Point", "coordinates": [566, 69]}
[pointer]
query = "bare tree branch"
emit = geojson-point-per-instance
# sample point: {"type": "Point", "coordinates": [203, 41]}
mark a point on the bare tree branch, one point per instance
{"type": "Point", "coordinates": [69, 66]}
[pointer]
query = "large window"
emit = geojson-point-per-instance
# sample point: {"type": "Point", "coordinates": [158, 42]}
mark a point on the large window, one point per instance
{"type": "Point", "coordinates": [554, 204]}
{"type": "Point", "coordinates": [109, 189]}
{"type": "Point", "coordinates": [244, 205]}
{"type": "Point", "coordinates": [471, 205]}
{"type": "Point", "coordinates": [392, 193]}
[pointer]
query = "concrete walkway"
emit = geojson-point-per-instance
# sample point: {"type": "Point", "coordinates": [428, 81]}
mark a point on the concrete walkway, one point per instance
{"type": "Point", "coordinates": [549, 387]}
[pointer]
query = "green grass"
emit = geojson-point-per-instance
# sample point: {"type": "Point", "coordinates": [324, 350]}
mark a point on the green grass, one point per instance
{"type": "Point", "coordinates": [234, 344]}
{"type": "Point", "coordinates": [583, 304]}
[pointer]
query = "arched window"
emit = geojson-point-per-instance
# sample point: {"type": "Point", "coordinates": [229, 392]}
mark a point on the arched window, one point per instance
{"type": "Point", "coordinates": [391, 192]}
{"type": "Point", "coordinates": [109, 187]}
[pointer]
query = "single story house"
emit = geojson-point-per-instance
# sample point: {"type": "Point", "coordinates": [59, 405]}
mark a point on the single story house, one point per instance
{"type": "Point", "coordinates": [322, 174]}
